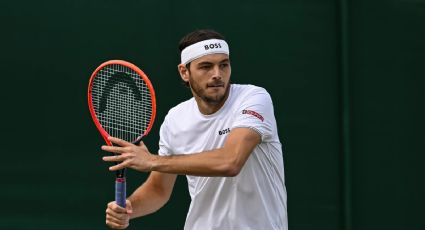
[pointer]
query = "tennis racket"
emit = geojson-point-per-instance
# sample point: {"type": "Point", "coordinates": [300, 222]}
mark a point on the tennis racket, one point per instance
{"type": "Point", "coordinates": [122, 104]}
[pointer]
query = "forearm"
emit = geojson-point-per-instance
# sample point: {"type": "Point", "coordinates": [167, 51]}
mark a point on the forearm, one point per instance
{"type": "Point", "coordinates": [217, 162]}
{"type": "Point", "coordinates": [225, 161]}
{"type": "Point", "coordinates": [151, 196]}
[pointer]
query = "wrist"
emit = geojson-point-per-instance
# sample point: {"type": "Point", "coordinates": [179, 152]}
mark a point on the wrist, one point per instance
{"type": "Point", "coordinates": [153, 166]}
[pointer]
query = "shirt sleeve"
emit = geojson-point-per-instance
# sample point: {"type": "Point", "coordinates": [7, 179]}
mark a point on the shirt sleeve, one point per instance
{"type": "Point", "coordinates": [165, 139]}
{"type": "Point", "coordinates": [256, 112]}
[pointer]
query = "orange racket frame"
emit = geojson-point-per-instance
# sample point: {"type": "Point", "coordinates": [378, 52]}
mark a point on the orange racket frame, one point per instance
{"type": "Point", "coordinates": [102, 131]}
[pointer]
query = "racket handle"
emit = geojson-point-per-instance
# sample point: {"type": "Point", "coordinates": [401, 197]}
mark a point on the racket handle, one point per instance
{"type": "Point", "coordinates": [120, 191]}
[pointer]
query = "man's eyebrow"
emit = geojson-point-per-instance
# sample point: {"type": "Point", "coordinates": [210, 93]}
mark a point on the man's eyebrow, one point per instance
{"type": "Point", "coordinates": [205, 63]}
{"type": "Point", "coordinates": [210, 63]}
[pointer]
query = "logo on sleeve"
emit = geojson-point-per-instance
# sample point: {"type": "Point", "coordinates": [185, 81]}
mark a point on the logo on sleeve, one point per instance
{"type": "Point", "coordinates": [253, 113]}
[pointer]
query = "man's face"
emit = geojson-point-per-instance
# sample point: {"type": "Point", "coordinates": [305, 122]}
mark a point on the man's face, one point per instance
{"type": "Point", "coordinates": [209, 77]}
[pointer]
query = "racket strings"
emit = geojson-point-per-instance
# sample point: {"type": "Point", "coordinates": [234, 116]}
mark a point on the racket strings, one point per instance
{"type": "Point", "coordinates": [122, 102]}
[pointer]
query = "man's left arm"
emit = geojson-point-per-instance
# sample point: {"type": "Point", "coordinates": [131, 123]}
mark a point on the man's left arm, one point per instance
{"type": "Point", "coordinates": [225, 161]}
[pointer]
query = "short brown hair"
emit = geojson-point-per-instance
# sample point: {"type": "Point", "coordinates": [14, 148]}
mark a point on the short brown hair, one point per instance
{"type": "Point", "coordinates": [197, 36]}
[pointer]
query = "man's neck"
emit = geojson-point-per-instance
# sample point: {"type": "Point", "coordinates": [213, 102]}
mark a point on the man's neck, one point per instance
{"type": "Point", "coordinates": [208, 108]}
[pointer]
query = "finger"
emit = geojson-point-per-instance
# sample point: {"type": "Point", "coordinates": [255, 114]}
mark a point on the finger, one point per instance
{"type": "Point", "coordinates": [118, 167]}
{"type": "Point", "coordinates": [115, 211]}
{"type": "Point", "coordinates": [119, 142]}
{"type": "Point", "coordinates": [116, 158]}
{"type": "Point", "coordinates": [115, 207]}
{"type": "Point", "coordinates": [114, 216]}
{"type": "Point", "coordinates": [113, 149]}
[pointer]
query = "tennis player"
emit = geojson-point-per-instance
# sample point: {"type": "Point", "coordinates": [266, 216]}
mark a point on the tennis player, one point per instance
{"type": "Point", "coordinates": [224, 139]}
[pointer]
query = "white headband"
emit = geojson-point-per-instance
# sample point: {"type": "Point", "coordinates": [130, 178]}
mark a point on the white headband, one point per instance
{"type": "Point", "coordinates": [202, 48]}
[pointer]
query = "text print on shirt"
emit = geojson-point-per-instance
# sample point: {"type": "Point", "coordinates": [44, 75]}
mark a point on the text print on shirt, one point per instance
{"type": "Point", "coordinates": [253, 113]}
{"type": "Point", "coordinates": [224, 131]}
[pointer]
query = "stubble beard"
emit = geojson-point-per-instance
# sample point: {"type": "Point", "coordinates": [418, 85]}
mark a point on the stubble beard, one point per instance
{"type": "Point", "coordinates": [200, 92]}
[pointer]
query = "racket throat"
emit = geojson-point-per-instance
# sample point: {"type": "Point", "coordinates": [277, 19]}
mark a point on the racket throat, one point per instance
{"type": "Point", "coordinates": [138, 140]}
{"type": "Point", "coordinates": [120, 174]}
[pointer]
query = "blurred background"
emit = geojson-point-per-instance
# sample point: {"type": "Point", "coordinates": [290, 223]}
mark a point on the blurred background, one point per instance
{"type": "Point", "coordinates": [346, 77]}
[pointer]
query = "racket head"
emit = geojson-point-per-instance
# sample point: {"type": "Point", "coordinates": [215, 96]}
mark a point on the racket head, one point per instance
{"type": "Point", "coordinates": [121, 101]}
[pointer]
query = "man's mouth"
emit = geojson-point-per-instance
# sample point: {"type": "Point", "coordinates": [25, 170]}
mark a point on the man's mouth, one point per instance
{"type": "Point", "coordinates": [215, 85]}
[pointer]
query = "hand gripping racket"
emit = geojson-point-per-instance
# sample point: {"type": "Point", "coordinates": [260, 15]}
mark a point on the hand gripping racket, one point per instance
{"type": "Point", "coordinates": [122, 104]}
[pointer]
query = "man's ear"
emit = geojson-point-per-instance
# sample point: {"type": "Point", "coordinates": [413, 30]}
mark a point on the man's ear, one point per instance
{"type": "Point", "coordinates": [184, 72]}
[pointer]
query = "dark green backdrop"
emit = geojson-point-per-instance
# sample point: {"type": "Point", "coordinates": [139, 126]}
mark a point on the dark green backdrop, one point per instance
{"type": "Point", "coordinates": [346, 77]}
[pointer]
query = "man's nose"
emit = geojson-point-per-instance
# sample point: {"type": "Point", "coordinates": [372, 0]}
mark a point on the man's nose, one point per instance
{"type": "Point", "coordinates": [216, 72]}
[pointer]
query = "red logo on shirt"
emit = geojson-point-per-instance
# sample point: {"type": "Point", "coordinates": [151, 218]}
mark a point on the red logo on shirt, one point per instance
{"type": "Point", "coordinates": [253, 113]}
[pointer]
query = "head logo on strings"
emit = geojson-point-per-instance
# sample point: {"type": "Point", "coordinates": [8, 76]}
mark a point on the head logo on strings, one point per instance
{"type": "Point", "coordinates": [113, 81]}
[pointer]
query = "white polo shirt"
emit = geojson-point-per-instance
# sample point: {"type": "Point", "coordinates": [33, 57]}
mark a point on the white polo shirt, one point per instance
{"type": "Point", "coordinates": [256, 197]}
